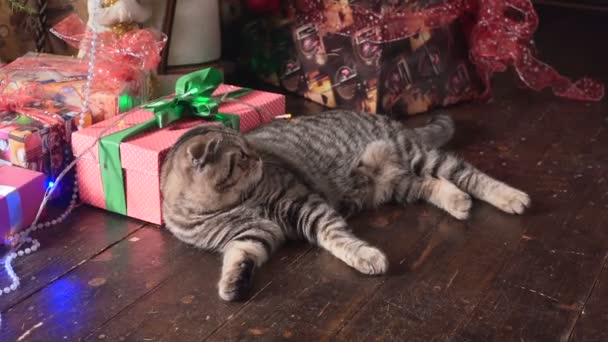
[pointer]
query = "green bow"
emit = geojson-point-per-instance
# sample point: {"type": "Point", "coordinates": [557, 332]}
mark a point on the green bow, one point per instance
{"type": "Point", "coordinates": [193, 98]}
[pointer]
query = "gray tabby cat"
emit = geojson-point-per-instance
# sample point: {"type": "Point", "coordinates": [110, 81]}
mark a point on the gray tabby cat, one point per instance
{"type": "Point", "coordinates": [244, 195]}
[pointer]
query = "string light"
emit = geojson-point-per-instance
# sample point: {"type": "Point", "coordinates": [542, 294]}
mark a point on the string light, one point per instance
{"type": "Point", "coordinates": [18, 240]}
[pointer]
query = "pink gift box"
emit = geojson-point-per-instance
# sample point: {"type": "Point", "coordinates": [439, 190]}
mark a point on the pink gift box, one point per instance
{"type": "Point", "coordinates": [21, 192]}
{"type": "Point", "coordinates": [142, 156]}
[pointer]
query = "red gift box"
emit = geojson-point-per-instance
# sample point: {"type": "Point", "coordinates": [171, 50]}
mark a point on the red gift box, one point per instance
{"type": "Point", "coordinates": [142, 156]}
{"type": "Point", "coordinates": [21, 193]}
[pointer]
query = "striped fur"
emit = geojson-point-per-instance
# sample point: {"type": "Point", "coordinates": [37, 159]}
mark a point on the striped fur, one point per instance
{"type": "Point", "coordinates": [244, 196]}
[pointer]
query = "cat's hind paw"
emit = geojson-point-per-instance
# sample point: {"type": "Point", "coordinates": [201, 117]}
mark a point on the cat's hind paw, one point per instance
{"type": "Point", "coordinates": [236, 283]}
{"type": "Point", "coordinates": [370, 260]}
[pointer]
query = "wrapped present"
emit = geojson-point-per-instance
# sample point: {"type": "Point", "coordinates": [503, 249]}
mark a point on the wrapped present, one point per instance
{"type": "Point", "coordinates": [121, 174]}
{"type": "Point", "coordinates": [122, 74]}
{"type": "Point", "coordinates": [265, 46]}
{"type": "Point", "coordinates": [398, 57]}
{"type": "Point", "coordinates": [64, 80]}
{"type": "Point", "coordinates": [21, 193]}
{"type": "Point", "coordinates": [35, 132]}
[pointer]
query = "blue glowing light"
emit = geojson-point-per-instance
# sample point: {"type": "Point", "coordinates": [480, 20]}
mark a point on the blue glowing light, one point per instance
{"type": "Point", "coordinates": [50, 184]}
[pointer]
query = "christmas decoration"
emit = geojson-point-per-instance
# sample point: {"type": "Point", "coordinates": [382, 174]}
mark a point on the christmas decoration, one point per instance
{"type": "Point", "coordinates": [123, 66]}
{"type": "Point", "coordinates": [397, 57]}
{"type": "Point", "coordinates": [19, 6]}
{"type": "Point", "coordinates": [134, 148]}
{"type": "Point", "coordinates": [119, 16]}
{"type": "Point", "coordinates": [18, 240]}
{"type": "Point", "coordinates": [35, 131]}
{"type": "Point", "coordinates": [21, 193]}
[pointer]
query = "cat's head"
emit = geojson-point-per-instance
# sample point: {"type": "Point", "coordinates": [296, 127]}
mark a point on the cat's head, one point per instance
{"type": "Point", "coordinates": [209, 168]}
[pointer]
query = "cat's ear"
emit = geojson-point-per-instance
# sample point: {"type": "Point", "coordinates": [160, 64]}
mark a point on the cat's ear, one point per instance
{"type": "Point", "coordinates": [200, 152]}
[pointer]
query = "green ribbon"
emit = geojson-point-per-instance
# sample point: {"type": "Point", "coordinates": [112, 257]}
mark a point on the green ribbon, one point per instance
{"type": "Point", "coordinates": [193, 98]}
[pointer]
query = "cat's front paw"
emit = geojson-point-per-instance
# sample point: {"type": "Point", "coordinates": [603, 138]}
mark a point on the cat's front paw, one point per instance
{"type": "Point", "coordinates": [512, 201]}
{"type": "Point", "coordinates": [370, 260]}
{"type": "Point", "coordinates": [236, 282]}
{"type": "Point", "coordinates": [459, 205]}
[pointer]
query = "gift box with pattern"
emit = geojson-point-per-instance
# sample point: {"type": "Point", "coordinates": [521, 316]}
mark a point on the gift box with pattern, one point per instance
{"type": "Point", "coordinates": [394, 57]}
{"type": "Point", "coordinates": [21, 193]}
{"type": "Point", "coordinates": [333, 54]}
{"type": "Point", "coordinates": [36, 134]}
{"type": "Point", "coordinates": [140, 156]}
{"type": "Point", "coordinates": [64, 78]}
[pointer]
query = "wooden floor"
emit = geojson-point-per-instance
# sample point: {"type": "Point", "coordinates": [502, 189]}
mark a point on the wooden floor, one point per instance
{"type": "Point", "coordinates": [539, 277]}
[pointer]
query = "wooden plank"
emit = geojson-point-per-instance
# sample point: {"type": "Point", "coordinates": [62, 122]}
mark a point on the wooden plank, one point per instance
{"type": "Point", "coordinates": [541, 290]}
{"type": "Point", "coordinates": [81, 300]}
{"type": "Point", "coordinates": [186, 307]}
{"type": "Point", "coordinates": [321, 292]}
{"type": "Point", "coordinates": [447, 287]}
{"type": "Point", "coordinates": [84, 234]}
{"type": "Point", "coordinates": [200, 320]}
{"type": "Point", "coordinates": [312, 301]}
{"type": "Point", "coordinates": [591, 325]}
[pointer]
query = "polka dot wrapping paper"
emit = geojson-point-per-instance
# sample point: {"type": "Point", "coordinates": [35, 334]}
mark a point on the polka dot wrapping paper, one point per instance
{"type": "Point", "coordinates": [141, 157]}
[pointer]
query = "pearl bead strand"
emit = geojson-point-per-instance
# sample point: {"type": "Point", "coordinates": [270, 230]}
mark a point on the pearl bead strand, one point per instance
{"type": "Point", "coordinates": [19, 239]}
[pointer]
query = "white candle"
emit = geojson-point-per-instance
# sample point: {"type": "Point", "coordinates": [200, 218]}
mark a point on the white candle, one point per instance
{"type": "Point", "coordinates": [195, 36]}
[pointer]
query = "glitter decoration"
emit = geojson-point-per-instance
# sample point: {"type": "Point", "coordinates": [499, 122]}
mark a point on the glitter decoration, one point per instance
{"type": "Point", "coordinates": [499, 33]}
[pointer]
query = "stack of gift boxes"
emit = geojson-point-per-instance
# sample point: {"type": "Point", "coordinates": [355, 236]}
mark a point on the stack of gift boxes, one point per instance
{"type": "Point", "coordinates": [390, 57]}
{"type": "Point", "coordinates": [43, 126]}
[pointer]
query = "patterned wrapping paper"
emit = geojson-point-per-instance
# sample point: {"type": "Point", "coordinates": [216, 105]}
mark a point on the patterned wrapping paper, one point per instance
{"type": "Point", "coordinates": [142, 156]}
{"type": "Point", "coordinates": [36, 135]}
{"type": "Point", "coordinates": [396, 57]}
{"type": "Point", "coordinates": [333, 56]}
{"type": "Point", "coordinates": [21, 192]}
{"type": "Point", "coordinates": [63, 78]}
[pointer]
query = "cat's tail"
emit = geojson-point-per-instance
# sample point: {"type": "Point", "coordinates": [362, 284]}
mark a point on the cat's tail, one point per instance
{"type": "Point", "coordinates": [437, 132]}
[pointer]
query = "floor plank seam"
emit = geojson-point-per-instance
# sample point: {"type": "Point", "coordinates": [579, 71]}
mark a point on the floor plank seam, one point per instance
{"type": "Point", "coordinates": [361, 307]}
{"type": "Point", "coordinates": [595, 283]}
{"type": "Point", "coordinates": [250, 300]}
{"type": "Point", "coordinates": [135, 301]}
{"type": "Point", "coordinates": [71, 269]}
{"type": "Point", "coordinates": [377, 290]}
{"type": "Point", "coordinates": [467, 318]}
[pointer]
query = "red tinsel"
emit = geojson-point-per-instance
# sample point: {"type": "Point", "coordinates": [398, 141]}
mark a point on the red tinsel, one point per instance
{"type": "Point", "coordinates": [499, 40]}
{"type": "Point", "coordinates": [16, 100]}
{"type": "Point", "coordinates": [499, 34]}
{"type": "Point", "coordinates": [118, 56]}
